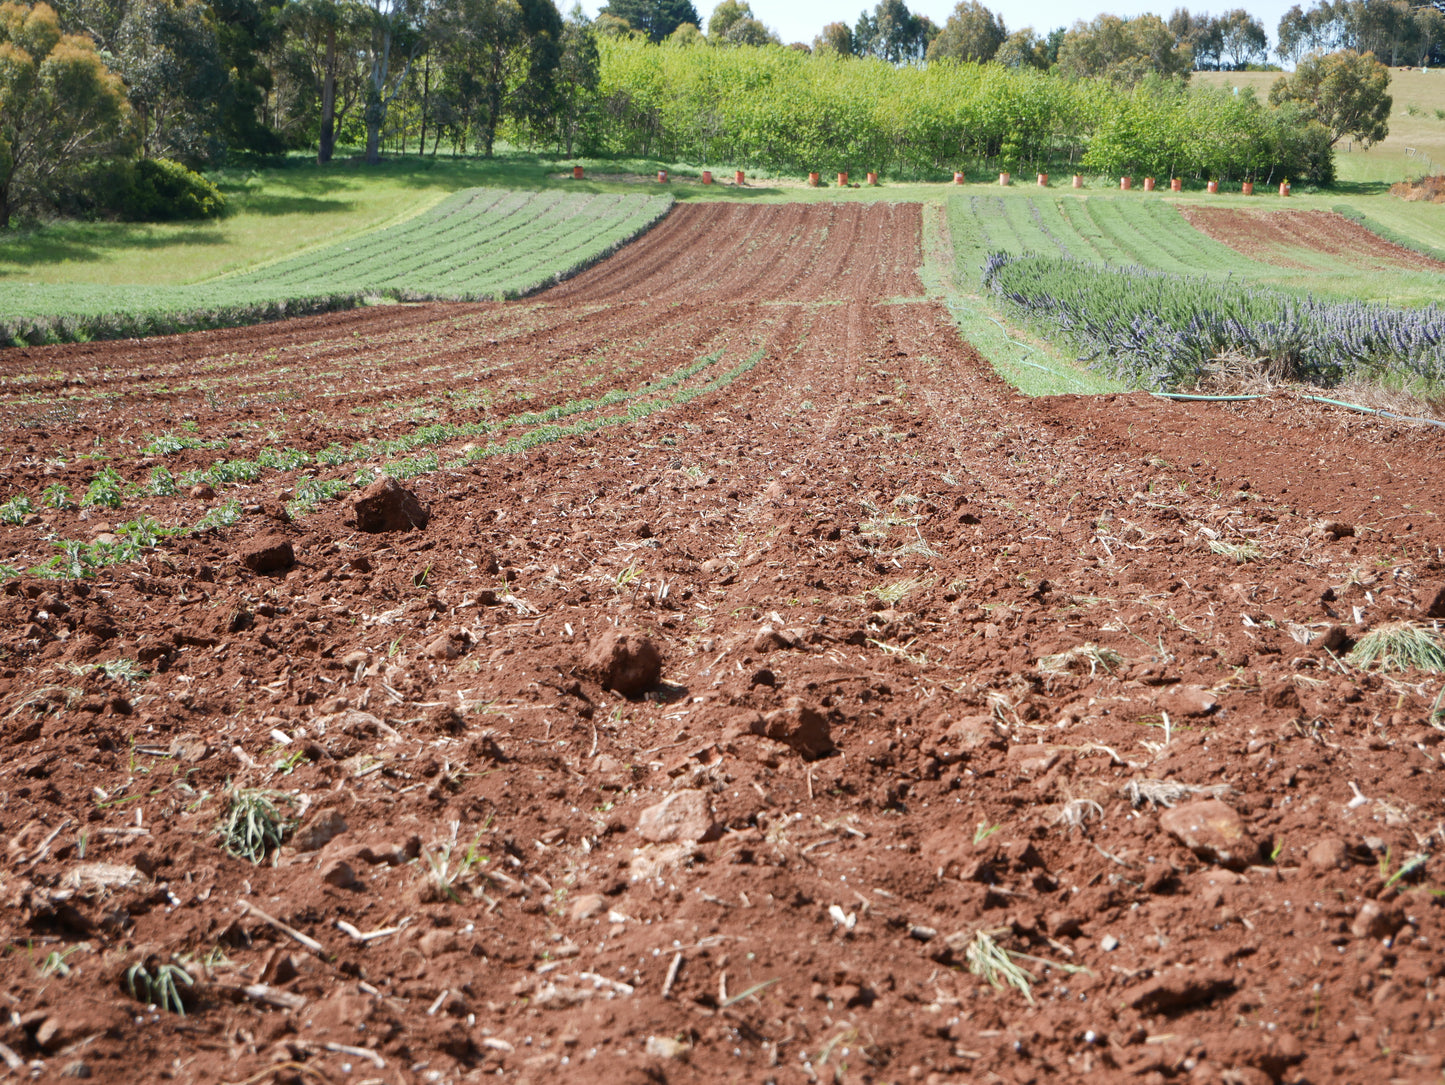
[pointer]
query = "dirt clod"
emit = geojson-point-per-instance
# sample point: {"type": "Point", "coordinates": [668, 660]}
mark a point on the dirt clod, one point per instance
{"type": "Point", "coordinates": [387, 505]}
{"type": "Point", "coordinates": [1212, 830]}
{"type": "Point", "coordinates": [801, 726]}
{"type": "Point", "coordinates": [267, 555]}
{"type": "Point", "coordinates": [624, 661]}
{"type": "Point", "coordinates": [683, 815]}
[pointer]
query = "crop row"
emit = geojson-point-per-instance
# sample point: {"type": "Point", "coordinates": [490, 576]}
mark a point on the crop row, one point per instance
{"type": "Point", "coordinates": [74, 558]}
{"type": "Point", "coordinates": [1106, 230]}
{"type": "Point", "coordinates": [477, 245]}
{"type": "Point", "coordinates": [1156, 330]}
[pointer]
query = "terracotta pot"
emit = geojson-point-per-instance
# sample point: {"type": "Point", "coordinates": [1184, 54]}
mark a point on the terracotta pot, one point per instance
{"type": "Point", "coordinates": [1078, 181]}
{"type": "Point", "coordinates": [1043, 180]}
{"type": "Point", "coordinates": [1176, 185]}
{"type": "Point", "coordinates": [873, 179]}
{"type": "Point", "coordinates": [576, 173]}
{"type": "Point", "coordinates": [1148, 184]}
{"type": "Point", "coordinates": [740, 178]}
{"type": "Point", "coordinates": [813, 179]}
{"type": "Point", "coordinates": [1212, 187]}
{"type": "Point", "coordinates": [1003, 179]}
{"type": "Point", "coordinates": [843, 179]}
{"type": "Point", "coordinates": [662, 177]}
{"type": "Point", "coordinates": [1284, 189]}
{"type": "Point", "coordinates": [707, 177]}
{"type": "Point", "coordinates": [957, 177]}
{"type": "Point", "coordinates": [1247, 188]}
{"type": "Point", "coordinates": [1126, 183]}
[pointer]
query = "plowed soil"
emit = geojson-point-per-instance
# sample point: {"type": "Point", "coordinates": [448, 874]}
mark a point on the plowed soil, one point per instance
{"type": "Point", "coordinates": [944, 671]}
{"type": "Point", "coordinates": [1280, 237]}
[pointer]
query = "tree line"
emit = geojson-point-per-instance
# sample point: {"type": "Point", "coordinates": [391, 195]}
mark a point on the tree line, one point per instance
{"type": "Point", "coordinates": [86, 84]}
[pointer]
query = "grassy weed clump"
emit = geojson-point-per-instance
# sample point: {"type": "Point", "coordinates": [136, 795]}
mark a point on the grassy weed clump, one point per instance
{"type": "Point", "coordinates": [253, 824]}
{"type": "Point", "coordinates": [1088, 655]}
{"type": "Point", "coordinates": [158, 985]}
{"type": "Point", "coordinates": [1401, 646]}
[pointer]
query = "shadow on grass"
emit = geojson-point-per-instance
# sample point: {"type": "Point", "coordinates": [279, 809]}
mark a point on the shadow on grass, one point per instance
{"type": "Point", "coordinates": [1356, 188]}
{"type": "Point", "coordinates": [86, 242]}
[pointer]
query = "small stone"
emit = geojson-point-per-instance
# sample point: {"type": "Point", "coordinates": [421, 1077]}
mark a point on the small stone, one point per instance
{"type": "Point", "coordinates": [450, 645]}
{"type": "Point", "coordinates": [922, 934]}
{"type": "Point", "coordinates": [774, 640]}
{"type": "Point", "coordinates": [1033, 760]}
{"type": "Point", "coordinates": [1376, 920]}
{"type": "Point", "coordinates": [642, 529]}
{"type": "Point", "coordinates": [77, 1069]}
{"type": "Point", "coordinates": [763, 676]}
{"type": "Point", "coordinates": [799, 725]}
{"type": "Point", "coordinates": [190, 748]}
{"type": "Point", "coordinates": [338, 872]}
{"type": "Point", "coordinates": [1177, 989]}
{"type": "Point", "coordinates": [1435, 608]}
{"type": "Point", "coordinates": [267, 554]}
{"type": "Point", "coordinates": [667, 1047]}
{"type": "Point", "coordinates": [588, 905]}
{"type": "Point", "coordinates": [1108, 943]}
{"type": "Point", "coordinates": [1213, 831]}
{"type": "Point", "coordinates": [387, 505]}
{"type": "Point", "coordinates": [203, 491]}
{"type": "Point", "coordinates": [360, 657]}
{"type": "Point", "coordinates": [683, 815]}
{"type": "Point", "coordinates": [1337, 529]}
{"type": "Point", "coordinates": [1329, 853]}
{"type": "Point", "coordinates": [1188, 701]}
{"type": "Point", "coordinates": [624, 661]}
{"type": "Point", "coordinates": [319, 831]}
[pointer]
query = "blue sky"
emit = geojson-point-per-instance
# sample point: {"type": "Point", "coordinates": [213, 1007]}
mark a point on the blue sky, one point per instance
{"type": "Point", "coordinates": [800, 20]}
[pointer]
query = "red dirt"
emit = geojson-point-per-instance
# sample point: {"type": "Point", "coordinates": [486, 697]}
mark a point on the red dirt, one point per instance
{"type": "Point", "coordinates": [1429, 189]}
{"type": "Point", "coordinates": [820, 923]}
{"type": "Point", "coordinates": [1271, 236]}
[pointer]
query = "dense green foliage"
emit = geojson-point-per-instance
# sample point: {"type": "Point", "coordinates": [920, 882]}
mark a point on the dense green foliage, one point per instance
{"type": "Point", "coordinates": [785, 111]}
{"type": "Point", "coordinates": [159, 190]}
{"type": "Point", "coordinates": [1156, 330]}
{"type": "Point", "coordinates": [478, 244]}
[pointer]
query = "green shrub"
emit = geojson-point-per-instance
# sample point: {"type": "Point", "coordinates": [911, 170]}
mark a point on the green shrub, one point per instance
{"type": "Point", "coordinates": [159, 190]}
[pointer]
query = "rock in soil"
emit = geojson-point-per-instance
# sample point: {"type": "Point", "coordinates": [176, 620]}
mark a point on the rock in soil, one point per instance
{"type": "Point", "coordinates": [387, 505]}
{"type": "Point", "coordinates": [801, 726]}
{"type": "Point", "coordinates": [267, 555]}
{"type": "Point", "coordinates": [683, 815]}
{"type": "Point", "coordinates": [624, 661]}
{"type": "Point", "coordinates": [1212, 830]}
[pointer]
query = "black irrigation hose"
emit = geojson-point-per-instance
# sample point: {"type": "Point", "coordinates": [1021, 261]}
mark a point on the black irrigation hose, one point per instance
{"type": "Point", "coordinates": [1314, 399]}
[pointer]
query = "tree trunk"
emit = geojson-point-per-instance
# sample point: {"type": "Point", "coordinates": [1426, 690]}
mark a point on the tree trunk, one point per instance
{"type": "Point", "coordinates": [375, 117]}
{"type": "Point", "coordinates": [425, 98]}
{"type": "Point", "coordinates": [5, 206]}
{"type": "Point", "coordinates": [328, 102]}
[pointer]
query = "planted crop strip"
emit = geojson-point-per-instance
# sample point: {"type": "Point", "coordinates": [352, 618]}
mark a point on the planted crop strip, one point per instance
{"type": "Point", "coordinates": [479, 245]}
{"type": "Point", "coordinates": [1160, 331]}
{"type": "Point", "coordinates": [77, 559]}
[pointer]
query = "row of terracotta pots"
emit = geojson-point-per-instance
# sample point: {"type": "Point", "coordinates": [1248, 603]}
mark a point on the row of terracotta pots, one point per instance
{"type": "Point", "coordinates": [1125, 183]}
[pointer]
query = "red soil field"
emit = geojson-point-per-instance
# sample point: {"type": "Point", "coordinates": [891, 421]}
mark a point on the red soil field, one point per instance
{"type": "Point", "coordinates": [1273, 236]}
{"type": "Point", "coordinates": [944, 671]}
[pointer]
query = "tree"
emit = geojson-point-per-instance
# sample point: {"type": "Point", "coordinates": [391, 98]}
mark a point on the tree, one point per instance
{"type": "Point", "coordinates": [1345, 92]}
{"type": "Point", "coordinates": [733, 23]}
{"type": "Point", "coordinates": [168, 55]}
{"type": "Point", "coordinates": [892, 33]}
{"type": "Point", "coordinates": [393, 30]}
{"type": "Point", "coordinates": [972, 32]}
{"type": "Point", "coordinates": [578, 73]}
{"type": "Point", "coordinates": [1022, 49]}
{"type": "Point", "coordinates": [59, 104]}
{"type": "Point", "coordinates": [835, 38]}
{"type": "Point", "coordinates": [1203, 34]}
{"type": "Point", "coordinates": [1243, 38]}
{"type": "Point", "coordinates": [320, 33]}
{"type": "Point", "coordinates": [655, 18]}
{"type": "Point", "coordinates": [1124, 50]}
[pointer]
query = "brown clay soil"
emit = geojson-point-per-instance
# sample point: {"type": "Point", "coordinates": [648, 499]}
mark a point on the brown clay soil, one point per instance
{"type": "Point", "coordinates": [1280, 237]}
{"type": "Point", "coordinates": [1429, 189]}
{"type": "Point", "coordinates": [936, 660]}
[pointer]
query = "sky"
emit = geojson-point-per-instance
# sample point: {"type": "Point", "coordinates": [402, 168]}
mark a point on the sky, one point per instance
{"type": "Point", "coordinates": [801, 20]}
